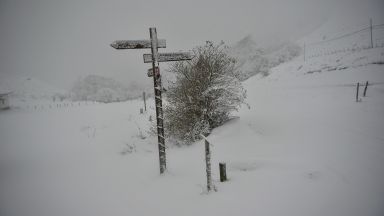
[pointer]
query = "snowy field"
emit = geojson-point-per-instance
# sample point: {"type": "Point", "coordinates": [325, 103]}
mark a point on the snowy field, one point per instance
{"type": "Point", "coordinates": [304, 147]}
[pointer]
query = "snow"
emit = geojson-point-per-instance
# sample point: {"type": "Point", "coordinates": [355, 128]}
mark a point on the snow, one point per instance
{"type": "Point", "coordinates": [102, 89]}
{"type": "Point", "coordinates": [253, 59]}
{"type": "Point", "coordinates": [303, 147]}
{"type": "Point", "coordinates": [24, 86]}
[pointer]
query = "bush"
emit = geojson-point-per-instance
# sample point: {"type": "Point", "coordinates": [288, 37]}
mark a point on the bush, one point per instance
{"type": "Point", "coordinates": [205, 91]}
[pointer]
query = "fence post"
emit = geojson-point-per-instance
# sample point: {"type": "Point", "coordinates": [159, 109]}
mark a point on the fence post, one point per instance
{"type": "Point", "coordinates": [365, 89]}
{"type": "Point", "coordinates": [371, 28]}
{"type": "Point", "coordinates": [208, 165]}
{"type": "Point", "coordinates": [357, 92]}
{"type": "Point", "coordinates": [223, 172]}
{"type": "Point", "coordinates": [145, 104]}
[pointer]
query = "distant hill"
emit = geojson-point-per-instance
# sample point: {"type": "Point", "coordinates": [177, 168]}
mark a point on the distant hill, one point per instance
{"type": "Point", "coordinates": [101, 89]}
{"type": "Point", "coordinates": [25, 87]}
{"type": "Point", "coordinates": [253, 59]}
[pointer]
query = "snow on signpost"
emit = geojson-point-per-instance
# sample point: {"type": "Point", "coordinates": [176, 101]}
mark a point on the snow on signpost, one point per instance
{"type": "Point", "coordinates": [155, 58]}
{"type": "Point", "coordinates": [165, 57]}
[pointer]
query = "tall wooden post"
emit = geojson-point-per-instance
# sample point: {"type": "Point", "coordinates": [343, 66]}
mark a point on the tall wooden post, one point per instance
{"type": "Point", "coordinates": [158, 100]}
{"type": "Point", "coordinates": [357, 92]}
{"type": "Point", "coordinates": [208, 165]}
{"type": "Point", "coordinates": [371, 29]}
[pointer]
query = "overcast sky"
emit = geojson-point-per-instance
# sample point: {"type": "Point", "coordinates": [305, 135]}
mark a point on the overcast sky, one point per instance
{"type": "Point", "coordinates": [59, 41]}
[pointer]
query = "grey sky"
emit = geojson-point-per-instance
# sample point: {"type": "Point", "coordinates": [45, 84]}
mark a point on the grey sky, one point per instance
{"type": "Point", "coordinates": [59, 41]}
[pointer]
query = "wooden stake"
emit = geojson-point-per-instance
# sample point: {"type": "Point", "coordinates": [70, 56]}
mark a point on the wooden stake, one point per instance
{"type": "Point", "coordinates": [223, 172]}
{"type": "Point", "coordinates": [208, 165]}
{"type": "Point", "coordinates": [145, 104]}
{"type": "Point", "coordinates": [365, 89]}
{"type": "Point", "coordinates": [357, 92]}
{"type": "Point", "coordinates": [371, 29]}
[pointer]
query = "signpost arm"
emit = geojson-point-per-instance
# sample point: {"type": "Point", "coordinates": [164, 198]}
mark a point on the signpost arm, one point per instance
{"type": "Point", "coordinates": [158, 100]}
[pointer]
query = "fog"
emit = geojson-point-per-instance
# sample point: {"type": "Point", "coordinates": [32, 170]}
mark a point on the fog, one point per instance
{"type": "Point", "coordinates": [62, 41]}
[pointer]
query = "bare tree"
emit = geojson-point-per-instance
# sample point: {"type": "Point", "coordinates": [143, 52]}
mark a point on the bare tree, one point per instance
{"type": "Point", "coordinates": [206, 90]}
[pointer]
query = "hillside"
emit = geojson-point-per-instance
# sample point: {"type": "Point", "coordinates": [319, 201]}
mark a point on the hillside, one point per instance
{"type": "Point", "coordinates": [101, 89]}
{"type": "Point", "coordinates": [26, 87]}
{"type": "Point", "coordinates": [253, 59]}
{"type": "Point", "coordinates": [304, 146]}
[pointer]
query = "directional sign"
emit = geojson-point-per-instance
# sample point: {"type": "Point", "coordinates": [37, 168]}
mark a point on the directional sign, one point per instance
{"type": "Point", "coordinates": [136, 44]}
{"type": "Point", "coordinates": [164, 57]}
{"type": "Point", "coordinates": [155, 58]}
{"type": "Point", "coordinates": [150, 71]}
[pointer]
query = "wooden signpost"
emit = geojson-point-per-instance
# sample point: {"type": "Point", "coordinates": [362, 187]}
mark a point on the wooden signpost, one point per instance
{"type": "Point", "coordinates": [155, 58]}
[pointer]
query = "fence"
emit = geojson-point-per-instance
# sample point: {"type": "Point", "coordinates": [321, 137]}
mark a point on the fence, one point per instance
{"type": "Point", "coordinates": [46, 105]}
{"type": "Point", "coordinates": [364, 38]}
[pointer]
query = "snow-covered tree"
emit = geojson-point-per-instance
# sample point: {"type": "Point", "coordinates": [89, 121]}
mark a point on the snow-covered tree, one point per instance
{"type": "Point", "coordinates": [205, 91]}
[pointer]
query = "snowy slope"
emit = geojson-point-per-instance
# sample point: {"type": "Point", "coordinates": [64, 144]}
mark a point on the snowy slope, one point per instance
{"type": "Point", "coordinates": [253, 59]}
{"type": "Point", "coordinates": [27, 87]}
{"type": "Point", "coordinates": [347, 30]}
{"type": "Point", "coordinates": [28, 92]}
{"type": "Point", "coordinates": [304, 148]}
{"type": "Point", "coordinates": [102, 89]}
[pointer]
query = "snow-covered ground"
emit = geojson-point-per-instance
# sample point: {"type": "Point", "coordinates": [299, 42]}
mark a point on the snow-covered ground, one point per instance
{"type": "Point", "coordinates": [304, 147]}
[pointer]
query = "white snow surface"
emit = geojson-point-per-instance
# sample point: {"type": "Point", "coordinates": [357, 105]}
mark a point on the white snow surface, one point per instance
{"type": "Point", "coordinates": [304, 147]}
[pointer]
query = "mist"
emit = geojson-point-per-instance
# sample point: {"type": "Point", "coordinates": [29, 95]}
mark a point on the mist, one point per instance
{"type": "Point", "coordinates": [62, 41]}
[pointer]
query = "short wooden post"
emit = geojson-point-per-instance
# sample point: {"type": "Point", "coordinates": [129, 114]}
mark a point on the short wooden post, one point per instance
{"type": "Point", "coordinates": [141, 110]}
{"type": "Point", "coordinates": [208, 165]}
{"type": "Point", "coordinates": [357, 92]}
{"type": "Point", "coordinates": [365, 89]}
{"type": "Point", "coordinates": [223, 172]}
{"type": "Point", "coordinates": [145, 103]}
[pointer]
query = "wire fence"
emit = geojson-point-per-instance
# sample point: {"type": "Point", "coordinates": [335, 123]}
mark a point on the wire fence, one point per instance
{"type": "Point", "coordinates": [364, 38]}
{"type": "Point", "coordinates": [47, 105]}
{"type": "Point", "coordinates": [347, 35]}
